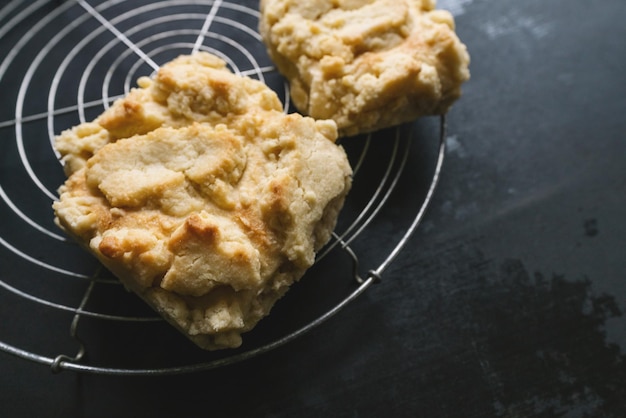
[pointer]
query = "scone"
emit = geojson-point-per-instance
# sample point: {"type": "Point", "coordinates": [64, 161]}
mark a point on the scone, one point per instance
{"type": "Point", "coordinates": [209, 221]}
{"type": "Point", "coordinates": [366, 64]}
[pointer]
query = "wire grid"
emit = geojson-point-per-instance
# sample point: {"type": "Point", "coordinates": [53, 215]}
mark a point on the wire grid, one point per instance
{"type": "Point", "coordinates": [63, 63]}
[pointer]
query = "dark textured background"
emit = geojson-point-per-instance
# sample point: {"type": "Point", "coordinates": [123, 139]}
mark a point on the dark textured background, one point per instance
{"type": "Point", "coordinates": [509, 299]}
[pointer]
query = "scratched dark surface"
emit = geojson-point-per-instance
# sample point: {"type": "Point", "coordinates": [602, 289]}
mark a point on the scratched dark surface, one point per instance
{"type": "Point", "coordinates": [509, 299]}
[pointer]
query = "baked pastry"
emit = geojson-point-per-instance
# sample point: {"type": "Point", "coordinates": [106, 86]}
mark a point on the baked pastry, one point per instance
{"type": "Point", "coordinates": [209, 220]}
{"type": "Point", "coordinates": [366, 64]}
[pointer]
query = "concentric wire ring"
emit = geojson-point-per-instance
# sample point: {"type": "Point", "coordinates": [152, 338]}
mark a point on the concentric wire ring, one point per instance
{"type": "Point", "coordinates": [63, 63]}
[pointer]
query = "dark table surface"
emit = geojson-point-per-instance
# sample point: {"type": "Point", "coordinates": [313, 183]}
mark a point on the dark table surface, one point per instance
{"type": "Point", "coordinates": [507, 301]}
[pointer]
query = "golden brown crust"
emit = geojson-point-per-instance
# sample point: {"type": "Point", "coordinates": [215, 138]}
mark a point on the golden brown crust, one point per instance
{"type": "Point", "coordinates": [190, 88]}
{"type": "Point", "coordinates": [209, 223]}
{"type": "Point", "coordinates": [367, 64]}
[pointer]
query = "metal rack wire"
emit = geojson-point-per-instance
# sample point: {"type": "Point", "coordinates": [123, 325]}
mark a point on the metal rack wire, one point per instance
{"type": "Point", "coordinates": [63, 63]}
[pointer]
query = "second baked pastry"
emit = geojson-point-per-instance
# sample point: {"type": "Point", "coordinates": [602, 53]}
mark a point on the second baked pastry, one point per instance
{"type": "Point", "coordinates": [367, 64]}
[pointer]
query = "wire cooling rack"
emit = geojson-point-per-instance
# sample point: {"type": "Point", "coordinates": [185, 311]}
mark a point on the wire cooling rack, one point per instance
{"type": "Point", "coordinates": [63, 63]}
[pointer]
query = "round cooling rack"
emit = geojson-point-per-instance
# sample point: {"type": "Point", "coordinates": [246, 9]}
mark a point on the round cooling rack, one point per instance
{"type": "Point", "coordinates": [63, 63]}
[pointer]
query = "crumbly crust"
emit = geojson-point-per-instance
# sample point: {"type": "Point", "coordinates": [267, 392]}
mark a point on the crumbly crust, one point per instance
{"type": "Point", "coordinates": [210, 223]}
{"type": "Point", "coordinates": [367, 64]}
{"type": "Point", "coordinates": [190, 88]}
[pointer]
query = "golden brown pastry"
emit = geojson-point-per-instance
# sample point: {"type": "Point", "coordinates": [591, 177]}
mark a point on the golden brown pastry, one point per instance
{"type": "Point", "coordinates": [366, 64]}
{"type": "Point", "coordinates": [209, 217]}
